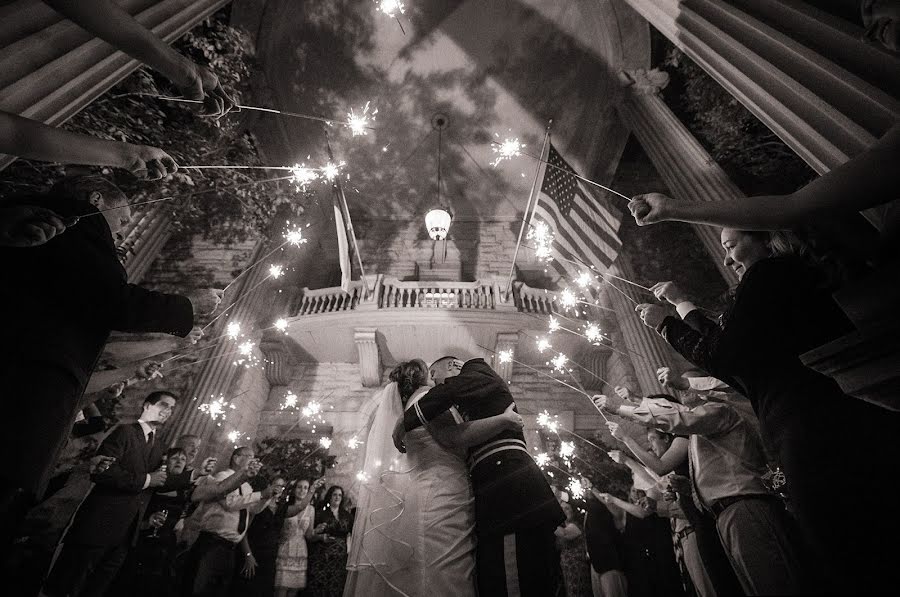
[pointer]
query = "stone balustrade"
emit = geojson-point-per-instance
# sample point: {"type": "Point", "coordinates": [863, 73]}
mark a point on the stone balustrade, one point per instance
{"type": "Point", "coordinates": [383, 292]}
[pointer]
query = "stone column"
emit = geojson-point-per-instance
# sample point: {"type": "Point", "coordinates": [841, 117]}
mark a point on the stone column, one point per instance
{"type": "Point", "coordinates": [144, 238]}
{"type": "Point", "coordinates": [505, 341]}
{"type": "Point", "coordinates": [369, 358]}
{"type": "Point", "coordinates": [219, 375]}
{"type": "Point", "coordinates": [687, 169]}
{"type": "Point", "coordinates": [779, 60]}
{"type": "Point", "coordinates": [647, 349]}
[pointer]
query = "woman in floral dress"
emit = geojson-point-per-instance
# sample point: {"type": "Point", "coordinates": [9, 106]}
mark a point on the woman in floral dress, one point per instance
{"type": "Point", "coordinates": [290, 566]}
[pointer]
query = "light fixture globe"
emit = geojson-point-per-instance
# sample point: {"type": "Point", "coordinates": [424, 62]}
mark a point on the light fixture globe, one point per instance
{"type": "Point", "coordinates": [437, 221]}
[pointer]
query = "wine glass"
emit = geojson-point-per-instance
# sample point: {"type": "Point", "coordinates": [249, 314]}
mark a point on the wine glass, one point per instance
{"type": "Point", "coordinates": [165, 515]}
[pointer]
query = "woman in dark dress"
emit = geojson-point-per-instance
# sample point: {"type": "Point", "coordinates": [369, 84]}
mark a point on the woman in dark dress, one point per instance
{"type": "Point", "coordinates": [328, 546]}
{"type": "Point", "coordinates": [572, 557]}
{"type": "Point", "coordinates": [782, 309]}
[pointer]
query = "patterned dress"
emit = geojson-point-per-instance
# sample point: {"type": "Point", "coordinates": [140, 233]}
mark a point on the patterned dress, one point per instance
{"type": "Point", "coordinates": [290, 566]}
{"type": "Point", "coordinates": [328, 561]}
{"type": "Point", "coordinates": [573, 559]}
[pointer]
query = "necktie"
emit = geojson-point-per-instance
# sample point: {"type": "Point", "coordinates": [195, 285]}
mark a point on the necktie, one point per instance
{"type": "Point", "coordinates": [150, 440]}
{"type": "Point", "coordinates": [242, 516]}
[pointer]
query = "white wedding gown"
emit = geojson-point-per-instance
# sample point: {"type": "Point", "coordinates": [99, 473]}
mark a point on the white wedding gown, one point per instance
{"type": "Point", "coordinates": [426, 546]}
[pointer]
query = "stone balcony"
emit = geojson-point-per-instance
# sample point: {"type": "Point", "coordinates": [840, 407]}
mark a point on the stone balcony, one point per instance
{"type": "Point", "coordinates": [405, 320]}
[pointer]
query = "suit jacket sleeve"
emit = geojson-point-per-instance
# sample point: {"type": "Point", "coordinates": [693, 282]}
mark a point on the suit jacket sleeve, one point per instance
{"type": "Point", "coordinates": [752, 322]}
{"type": "Point", "coordinates": [466, 386]}
{"type": "Point", "coordinates": [117, 476]}
{"type": "Point", "coordinates": [142, 310]}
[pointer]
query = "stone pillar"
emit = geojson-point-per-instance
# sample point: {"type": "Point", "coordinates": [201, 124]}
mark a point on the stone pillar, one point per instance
{"type": "Point", "coordinates": [369, 358]}
{"type": "Point", "coordinates": [144, 237]}
{"type": "Point", "coordinates": [219, 375]}
{"type": "Point", "coordinates": [647, 349]}
{"type": "Point", "coordinates": [505, 341]}
{"type": "Point", "coordinates": [687, 169]}
{"type": "Point", "coordinates": [779, 61]}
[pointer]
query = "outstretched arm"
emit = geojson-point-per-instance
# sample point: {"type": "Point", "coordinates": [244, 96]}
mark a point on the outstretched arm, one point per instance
{"type": "Point", "coordinates": [472, 433]}
{"type": "Point", "coordinates": [26, 138]}
{"type": "Point", "coordinates": [661, 465]}
{"type": "Point", "coordinates": [211, 490]}
{"type": "Point", "coordinates": [869, 179]}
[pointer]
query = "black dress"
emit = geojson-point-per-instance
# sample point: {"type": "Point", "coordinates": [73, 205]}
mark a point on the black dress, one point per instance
{"type": "Point", "coordinates": [264, 537]}
{"type": "Point", "coordinates": [601, 537]}
{"type": "Point", "coordinates": [831, 446]}
{"type": "Point", "coordinates": [327, 572]}
{"type": "Point", "coordinates": [650, 566]}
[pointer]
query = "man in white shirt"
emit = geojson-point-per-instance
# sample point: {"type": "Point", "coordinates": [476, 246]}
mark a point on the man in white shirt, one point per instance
{"type": "Point", "coordinates": [223, 525]}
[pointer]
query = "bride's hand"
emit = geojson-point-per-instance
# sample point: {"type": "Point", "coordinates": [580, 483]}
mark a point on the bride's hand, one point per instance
{"type": "Point", "coordinates": [513, 419]}
{"type": "Point", "coordinates": [399, 435]}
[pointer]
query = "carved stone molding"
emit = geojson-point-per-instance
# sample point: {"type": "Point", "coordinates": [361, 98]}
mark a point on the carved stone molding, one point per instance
{"type": "Point", "coordinates": [369, 358]}
{"type": "Point", "coordinates": [645, 82]}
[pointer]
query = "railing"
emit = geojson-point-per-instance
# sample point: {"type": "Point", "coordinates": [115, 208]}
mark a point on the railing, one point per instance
{"type": "Point", "coordinates": [380, 292]}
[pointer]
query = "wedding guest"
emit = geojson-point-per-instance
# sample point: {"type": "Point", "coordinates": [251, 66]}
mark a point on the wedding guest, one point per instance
{"type": "Point", "coordinates": [210, 565]}
{"type": "Point", "coordinates": [328, 546]}
{"type": "Point", "coordinates": [781, 309]}
{"type": "Point", "coordinates": [604, 547]}
{"type": "Point", "coordinates": [106, 524]}
{"type": "Point", "coordinates": [650, 567]}
{"type": "Point", "coordinates": [70, 293]}
{"type": "Point", "coordinates": [291, 563]}
{"type": "Point", "coordinates": [257, 579]}
{"type": "Point", "coordinates": [869, 179]}
{"type": "Point", "coordinates": [575, 567]}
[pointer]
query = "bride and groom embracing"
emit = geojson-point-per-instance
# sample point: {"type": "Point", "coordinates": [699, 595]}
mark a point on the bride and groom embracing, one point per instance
{"type": "Point", "coordinates": [462, 509]}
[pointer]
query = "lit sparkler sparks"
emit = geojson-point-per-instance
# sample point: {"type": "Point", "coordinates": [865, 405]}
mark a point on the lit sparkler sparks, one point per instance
{"type": "Point", "coordinates": [507, 150]}
{"type": "Point", "coordinates": [567, 450]}
{"type": "Point", "coordinates": [245, 355]}
{"type": "Point", "coordinates": [559, 362]}
{"type": "Point", "coordinates": [217, 409]}
{"type": "Point", "coordinates": [234, 436]}
{"type": "Point", "coordinates": [584, 279]}
{"type": "Point", "coordinates": [281, 325]}
{"type": "Point", "coordinates": [576, 488]}
{"type": "Point", "coordinates": [505, 356]}
{"type": "Point", "coordinates": [290, 401]}
{"type": "Point", "coordinates": [303, 175]}
{"type": "Point", "coordinates": [325, 442]}
{"type": "Point", "coordinates": [542, 238]}
{"type": "Point", "coordinates": [312, 409]}
{"type": "Point", "coordinates": [246, 349]}
{"type": "Point", "coordinates": [593, 333]}
{"type": "Point", "coordinates": [547, 421]}
{"type": "Point", "coordinates": [568, 299]}
{"type": "Point", "coordinates": [331, 170]}
{"type": "Point", "coordinates": [362, 477]}
{"type": "Point", "coordinates": [276, 271]}
{"type": "Point", "coordinates": [233, 330]}
{"type": "Point", "coordinates": [543, 344]}
{"type": "Point", "coordinates": [553, 326]}
{"type": "Point", "coordinates": [359, 123]}
{"type": "Point", "coordinates": [294, 236]}
{"type": "Point", "coordinates": [542, 459]}
{"type": "Point", "coordinates": [354, 442]}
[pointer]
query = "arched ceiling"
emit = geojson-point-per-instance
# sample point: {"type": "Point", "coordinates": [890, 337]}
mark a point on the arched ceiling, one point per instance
{"type": "Point", "coordinates": [496, 68]}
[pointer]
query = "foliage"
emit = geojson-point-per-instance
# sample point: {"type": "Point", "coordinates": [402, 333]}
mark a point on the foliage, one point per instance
{"type": "Point", "coordinates": [754, 157]}
{"type": "Point", "coordinates": [222, 205]}
{"type": "Point", "coordinates": [293, 459]}
{"type": "Point", "coordinates": [594, 463]}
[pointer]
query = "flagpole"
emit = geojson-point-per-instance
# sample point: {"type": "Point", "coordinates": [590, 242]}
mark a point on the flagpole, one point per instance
{"type": "Point", "coordinates": [348, 223]}
{"type": "Point", "coordinates": [527, 218]}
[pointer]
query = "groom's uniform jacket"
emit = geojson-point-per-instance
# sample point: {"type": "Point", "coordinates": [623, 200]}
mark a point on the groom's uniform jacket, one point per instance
{"type": "Point", "coordinates": [511, 493]}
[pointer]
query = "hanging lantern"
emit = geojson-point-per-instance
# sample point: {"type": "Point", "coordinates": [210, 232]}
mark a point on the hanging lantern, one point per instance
{"type": "Point", "coordinates": [437, 221]}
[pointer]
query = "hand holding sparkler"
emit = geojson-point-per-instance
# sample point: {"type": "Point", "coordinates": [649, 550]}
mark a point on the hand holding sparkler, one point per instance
{"type": "Point", "coordinates": [651, 208]}
{"type": "Point", "coordinates": [209, 465]}
{"type": "Point", "coordinates": [679, 484]}
{"type": "Point", "coordinates": [30, 226]}
{"type": "Point", "coordinates": [616, 456]}
{"type": "Point", "coordinates": [195, 335]}
{"type": "Point", "coordinates": [616, 431]}
{"type": "Point", "coordinates": [623, 393]}
{"type": "Point", "coordinates": [146, 162]}
{"type": "Point", "coordinates": [667, 379]}
{"type": "Point", "coordinates": [148, 370]}
{"type": "Point", "coordinates": [652, 315]}
{"type": "Point", "coordinates": [610, 404]}
{"type": "Point", "coordinates": [201, 84]}
{"type": "Point", "coordinates": [668, 291]}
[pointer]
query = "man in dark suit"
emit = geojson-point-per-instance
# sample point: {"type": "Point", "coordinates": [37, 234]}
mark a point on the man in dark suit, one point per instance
{"type": "Point", "coordinates": [516, 512]}
{"type": "Point", "coordinates": [61, 299]}
{"type": "Point", "coordinates": [107, 523]}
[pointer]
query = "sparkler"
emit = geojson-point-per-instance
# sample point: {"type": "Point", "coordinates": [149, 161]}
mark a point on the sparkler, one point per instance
{"type": "Point", "coordinates": [506, 150]}
{"type": "Point", "coordinates": [294, 237]}
{"type": "Point", "coordinates": [567, 450]}
{"type": "Point", "coordinates": [359, 123]}
{"type": "Point", "coordinates": [331, 170]}
{"type": "Point", "coordinates": [593, 333]}
{"type": "Point", "coordinates": [559, 363]}
{"type": "Point", "coordinates": [302, 175]}
{"type": "Point", "coordinates": [290, 401]}
{"type": "Point", "coordinates": [543, 344]}
{"type": "Point", "coordinates": [584, 279]}
{"type": "Point", "coordinates": [547, 421]}
{"type": "Point", "coordinates": [276, 271]}
{"type": "Point", "coordinates": [542, 237]}
{"type": "Point", "coordinates": [312, 409]}
{"type": "Point", "coordinates": [553, 325]}
{"type": "Point", "coordinates": [325, 442]}
{"type": "Point", "coordinates": [233, 330]}
{"type": "Point", "coordinates": [568, 299]}
{"type": "Point", "coordinates": [233, 436]}
{"type": "Point", "coordinates": [217, 409]}
{"type": "Point", "coordinates": [281, 325]}
{"type": "Point", "coordinates": [576, 488]}
{"type": "Point", "coordinates": [505, 356]}
{"type": "Point", "coordinates": [542, 459]}
{"type": "Point", "coordinates": [362, 477]}
{"type": "Point", "coordinates": [391, 8]}
{"type": "Point", "coordinates": [354, 442]}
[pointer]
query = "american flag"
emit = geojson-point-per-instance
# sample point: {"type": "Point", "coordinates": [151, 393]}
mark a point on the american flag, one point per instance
{"type": "Point", "coordinates": [585, 224]}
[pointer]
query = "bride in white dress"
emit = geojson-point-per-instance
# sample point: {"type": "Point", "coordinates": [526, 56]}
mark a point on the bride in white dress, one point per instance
{"type": "Point", "coordinates": [414, 532]}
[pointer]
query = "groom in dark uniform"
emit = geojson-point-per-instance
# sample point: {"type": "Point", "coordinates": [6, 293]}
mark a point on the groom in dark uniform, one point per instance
{"type": "Point", "coordinates": [515, 509]}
